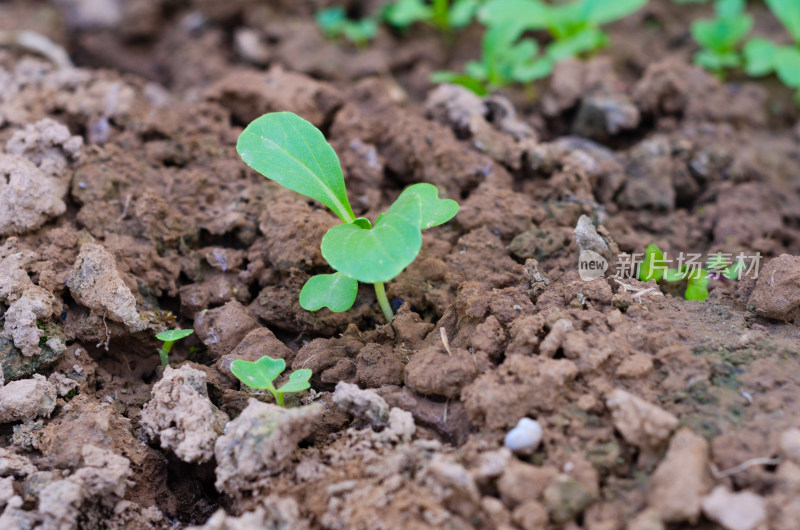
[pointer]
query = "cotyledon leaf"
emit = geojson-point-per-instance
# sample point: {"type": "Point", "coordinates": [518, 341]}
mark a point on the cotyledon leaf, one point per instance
{"type": "Point", "coordinates": [259, 374]}
{"type": "Point", "coordinates": [381, 253]}
{"type": "Point", "coordinates": [335, 291]}
{"type": "Point", "coordinates": [298, 381]}
{"type": "Point", "coordinates": [432, 211]}
{"type": "Point", "coordinates": [285, 148]}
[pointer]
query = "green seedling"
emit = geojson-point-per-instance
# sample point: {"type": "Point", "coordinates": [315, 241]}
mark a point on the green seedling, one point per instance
{"type": "Point", "coordinates": [719, 37]}
{"type": "Point", "coordinates": [335, 24]}
{"type": "Point", "coordinates": [442, 14]}
{"type": "Point", "coordinates": [504, 60]}
{"type": "Point", "coordinates": [764, 57]}
{"type": "Point", "coordinates": [261, 374]}
{"type": "Point", "coordinates": [170, 337]}
{"type": "Point", "coordinates": [291, 151]}
{"type": "Point", "coordinates": [654, 267]}
{"type": "Point", "coordinates": [509, 57]}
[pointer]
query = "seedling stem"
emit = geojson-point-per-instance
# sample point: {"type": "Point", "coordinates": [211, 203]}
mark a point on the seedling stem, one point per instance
{"type": "Point", "coordinates": [380, 293]}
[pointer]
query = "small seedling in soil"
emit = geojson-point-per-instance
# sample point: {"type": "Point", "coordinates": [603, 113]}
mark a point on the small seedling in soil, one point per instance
{"type": "Point", "coordinates": [764, 57]}
{"type": "Point", "coordinates": [507, 57]}
{"type": "Point", "coordinates": [442, 14]}
{"type": "Point", "coordinates": [654, 267]}
{"type": "Point", "coordinates": [261, 373]}
{"type": "Point", "coordinates": [335, 24]}
{"type": "Point", "coordinates": [291, 151]}
{"type": "Point", "coordinates": [170, 337]}
{"type": "Point", "coordinates": [720, 36]}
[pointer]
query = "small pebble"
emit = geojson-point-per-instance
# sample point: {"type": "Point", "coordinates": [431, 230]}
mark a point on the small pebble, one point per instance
{"type": "Point", "coordinates": [525, 437]}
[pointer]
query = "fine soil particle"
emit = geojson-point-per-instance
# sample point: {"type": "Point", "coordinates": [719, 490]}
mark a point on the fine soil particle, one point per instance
{"type": "Point", "coordinates": [125, 211]}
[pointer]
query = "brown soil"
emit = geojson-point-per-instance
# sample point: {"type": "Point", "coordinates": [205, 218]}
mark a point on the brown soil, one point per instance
{"type": "Point", "coordinates": [125, 210]}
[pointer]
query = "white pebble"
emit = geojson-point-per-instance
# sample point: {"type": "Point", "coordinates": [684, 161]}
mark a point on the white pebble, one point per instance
{"type": "Point", "coordinates": [525, 437]}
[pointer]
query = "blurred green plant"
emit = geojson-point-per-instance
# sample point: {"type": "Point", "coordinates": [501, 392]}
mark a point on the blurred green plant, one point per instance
{"type": "Point", "coordinates": [335, 24]}
{"type": "Point", "coordinates": [763, 57]}
{"type": "Point", "coordinates": [170, 337]}
{"type": "Point", "coordinates": [261, 374]}
{"type": "Point", "coordinates": [654, 267]}
{"type": "Point", "coordinates": [719, 37]}
{"type": "Point", "coordinates": [442, 14]}
{"type": "Point", "coordinates": [508, 56]}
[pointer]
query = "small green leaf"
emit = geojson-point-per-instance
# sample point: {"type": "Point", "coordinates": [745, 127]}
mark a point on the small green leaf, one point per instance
{"type": "Point", "coordinates": [696, 288]}
{"type": "Point", "coordinates": [259, 374]}
{"type": "Point", "coordinates": [585, 41]}
{"type": "Point", "coordinates": [376, 255]}
{"type": "Point", "coordinates": [533, 14]}
{"type": "Point", "coordinates": [171, 335]}
{"type": "Point", "coordinates": [285, 148]}
{"type": "Point", "coordinates": [759, 57]}
{"type": "Point", "coordinates": [604, 11]}
{"type": "Point", "coordinates": [788, 12]}
{"type": "Point", "coordinates": [336, 291]}
{"type": "Point", "coordinates": [674, 275]}
{"type": "Point", "coordinates": [787, 66]}
{"type": "Point", "coordinates": [462, 12]}
{"type": "Point", "coordinates": [298, 381]}
{"type": "Point", "coordinates": [331, 20]}
{"type": "Point", "coordinates": [420, 204]}
{"type": "Point", "coordinates": [653, 264]}
{"type": "Point", "coordinates": [403, 13]}
{"type": "Point", "coordinates": [734, 271]}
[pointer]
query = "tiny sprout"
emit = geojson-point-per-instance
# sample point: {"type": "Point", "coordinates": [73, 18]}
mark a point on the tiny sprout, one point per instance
{"type": "Point", "coordinates": [261, 373]}
{"type": "Point", "coordinates": [289, 150]}
{"type": "Point", "coordinates": [170, 337]}
{"type": "Point", "coordinates": [654, 267]}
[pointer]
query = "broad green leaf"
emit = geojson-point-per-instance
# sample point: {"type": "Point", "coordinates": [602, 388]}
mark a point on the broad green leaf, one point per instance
{"type": "Point", "coordinates": [721, 35]}
{"type": "Point", "coordinates": [759, 57]}
{"type": "Point", "coordinates": [533, 14]}
{"type": "Point", "coordinates": [285, 148]}
{"type": "Point", "coordinates": [376, 255]}
{"type": "Point", "coordinates": [171, 335]}
{"type": "Point", "coordinates": [336, 291]}
{"type": "Point", "coordinates": [298, 381]}
{"type": "Point", "coordinates": [585, 41]}
{"type": "Point", "coordinates": [729, 8]}
{"type": "Point", "coordinates": [403, 13]}
{"type": "Point", "coordinates": [604, 11]}
{"type": "Point", "coordinates": [462, 12]}
{"type": "Point", "coordinates": [653, 264]}
{"type": "Point", "coordinates": [259, 374]}
{"type": "Point", "coordinates": [788, 12]}
{"type": "Point", "coordinates": [420, 205]}
{"type": "Point", "coordinates": [538, 69]}
{"type": "Point", "coordinates": [787, 66]}
{"type": "Point", "coordinates": [695, 292]}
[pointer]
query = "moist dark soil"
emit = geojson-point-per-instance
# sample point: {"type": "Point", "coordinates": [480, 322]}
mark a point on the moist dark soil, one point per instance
{"type": "Point", "coordinates": [125, 210]}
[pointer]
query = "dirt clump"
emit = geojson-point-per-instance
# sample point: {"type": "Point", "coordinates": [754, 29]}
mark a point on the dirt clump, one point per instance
{"type": "Point", "coordinates": [181, 417]}
{"type": "Point", "coordinates": [777, 292]}
{"type": "Point", "coordinates": [259, 444]}
{"type": "Point", "coordinates": [96, 284]}
{"type": "Point", "coordinates": [27, 399]}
